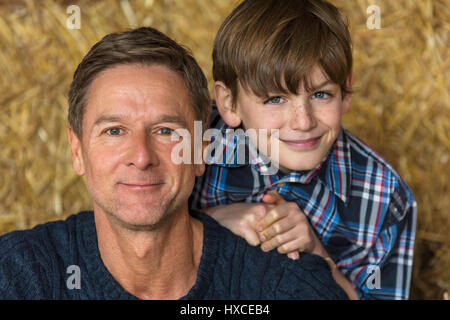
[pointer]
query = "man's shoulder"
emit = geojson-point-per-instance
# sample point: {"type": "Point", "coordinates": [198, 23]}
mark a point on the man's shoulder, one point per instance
{"type": "Point", "coordinates": [243, 271]}
{"type": "Point", "coordinates": [46, 234]}
{"type": "Point", "coordinates": [30, 257]}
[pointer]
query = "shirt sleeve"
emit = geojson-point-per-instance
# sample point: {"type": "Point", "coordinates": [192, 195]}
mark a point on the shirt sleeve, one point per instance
{"type": "Point", "coordinates": [386, 271]}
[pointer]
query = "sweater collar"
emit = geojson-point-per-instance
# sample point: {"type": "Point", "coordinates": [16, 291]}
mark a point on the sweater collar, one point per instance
{"type": "Point", "coordinates": [111, 289]}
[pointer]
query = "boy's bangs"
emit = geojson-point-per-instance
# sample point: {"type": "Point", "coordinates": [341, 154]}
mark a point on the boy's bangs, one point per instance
{"type": "Point", "coordinates": [286, 60]}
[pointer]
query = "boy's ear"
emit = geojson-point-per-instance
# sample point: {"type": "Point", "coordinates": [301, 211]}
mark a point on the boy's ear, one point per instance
{"type": "Point", "coordinates": [224, 102]}
{"type": "Point", "coordinates": [75, 148]}
{"type": "Point", "coordinates": [347, 98]}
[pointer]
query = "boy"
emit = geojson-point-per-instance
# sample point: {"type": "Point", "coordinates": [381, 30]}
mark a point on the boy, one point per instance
{"type": "Point", "coordinates": [286, 65]}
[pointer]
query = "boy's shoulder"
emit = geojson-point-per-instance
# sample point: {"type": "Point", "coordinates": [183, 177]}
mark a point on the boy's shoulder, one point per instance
{"type": "Point", "coordinates": [365, 160]}
{"type": "Point", "coordinates": [364, 155]}
{"type": "Point", "coordinates": [372, 174]}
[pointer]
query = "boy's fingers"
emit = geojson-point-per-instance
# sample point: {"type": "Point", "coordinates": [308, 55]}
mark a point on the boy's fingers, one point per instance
{"type": "Point", "coordinates": [273, 215]}
{"type": "Point", "coordinates": [280, 226]}
{"type": "Point", "coordinates": [294, 255]}
{"type": "Point", "coordinates": [287, 242]}
{"type": "Point", "coordinates": [273, 197]}
{"type": "Point", "coordinates": [252, 238]}
{"type": "Point", "coordinates": [276, 213]}
{"type": "Point", "coordinates": [276, 242]}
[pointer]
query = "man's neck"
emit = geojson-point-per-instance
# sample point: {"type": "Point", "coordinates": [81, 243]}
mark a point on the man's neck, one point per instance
{"type": "Point", "coordinates": [157, 264]}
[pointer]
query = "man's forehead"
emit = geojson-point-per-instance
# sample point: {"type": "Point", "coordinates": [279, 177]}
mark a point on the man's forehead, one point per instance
{"type": "Point", "coordinates": [131, 91]}
{"type": "Point", "coordinates": [122, 117]}
{"type": "Point", "coordinates": [128, 80]}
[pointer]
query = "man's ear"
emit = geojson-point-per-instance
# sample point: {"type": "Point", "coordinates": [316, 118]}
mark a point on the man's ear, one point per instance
{"type": "Point", "coordinates": [347, 97]}
{"type": "Point", "coordinates": [224, 102]}
{"type": "Point", "coordinates": [75, 148]}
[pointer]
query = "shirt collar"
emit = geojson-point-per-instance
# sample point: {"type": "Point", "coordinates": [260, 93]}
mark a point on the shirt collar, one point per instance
{"type": "Point", "coordinates": [338, 176]}
{"type": "Point", "coordinates": [334, 171]}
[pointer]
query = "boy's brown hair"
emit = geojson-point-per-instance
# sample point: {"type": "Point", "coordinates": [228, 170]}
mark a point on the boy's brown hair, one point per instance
{"type": "Point", "coordinates": [271, 46]}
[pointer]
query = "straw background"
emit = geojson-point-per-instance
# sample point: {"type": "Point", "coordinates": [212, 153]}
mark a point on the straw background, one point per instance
{"type": "Point", "coordinates": [400, 106]}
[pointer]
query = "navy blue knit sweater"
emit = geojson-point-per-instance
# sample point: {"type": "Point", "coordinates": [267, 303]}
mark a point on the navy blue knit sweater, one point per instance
{"type": "Point", "coordinates": [35, 264]}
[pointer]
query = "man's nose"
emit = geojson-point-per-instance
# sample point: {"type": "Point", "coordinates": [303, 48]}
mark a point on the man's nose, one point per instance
{"type": "Point", "coordinates": [302, 117]}
{"type": "Point", "coordinates": [141, 153]}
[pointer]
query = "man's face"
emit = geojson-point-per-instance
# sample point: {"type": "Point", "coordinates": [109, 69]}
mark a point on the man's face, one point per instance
{"type": "Point", "coordinates": [125, 152]}
{"type": "Point", "coordinates": [308, 123]}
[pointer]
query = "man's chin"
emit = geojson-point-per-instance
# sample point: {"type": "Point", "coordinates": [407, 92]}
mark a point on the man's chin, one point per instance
{"type": "Point", "coordinates": [148, 221]}
{"type": "Point", "coordinates": [137, 217]}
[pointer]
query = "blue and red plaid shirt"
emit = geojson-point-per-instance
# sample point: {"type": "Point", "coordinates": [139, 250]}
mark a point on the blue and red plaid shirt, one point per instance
{"type": "Point", "coordinates": [361, 209]}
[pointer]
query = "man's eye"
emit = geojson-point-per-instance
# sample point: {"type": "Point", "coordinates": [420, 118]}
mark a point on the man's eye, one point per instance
{"type": "Point", "coordinates": [114, 131]}
{"type": "Point", "coordinates": [274, 100]}
{"type": "Point", "coordinates": [165, 131]}
{"type": "Point", "coordinates": [321, 95]}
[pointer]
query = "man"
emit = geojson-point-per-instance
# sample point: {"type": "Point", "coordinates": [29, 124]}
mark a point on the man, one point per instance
{"type": "Point", "coordinates": [129, 95]}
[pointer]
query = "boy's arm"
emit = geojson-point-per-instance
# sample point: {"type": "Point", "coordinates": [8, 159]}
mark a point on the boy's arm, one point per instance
{"type": "Point", "coordinates": [388, 275]}
{"type": "Point", "coordinates": [272, 232]}
{"type": "Point", "coordinates": [243, 220]}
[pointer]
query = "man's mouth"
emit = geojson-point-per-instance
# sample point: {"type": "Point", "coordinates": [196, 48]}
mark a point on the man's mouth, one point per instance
{"type": "Point", "coordinates": [141, 185]}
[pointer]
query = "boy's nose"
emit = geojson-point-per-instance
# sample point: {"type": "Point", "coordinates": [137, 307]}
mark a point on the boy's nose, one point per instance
{"type": "Point", "coordinates": [141, 154]}
{"type": "Point", "coordinates": [302, 118]}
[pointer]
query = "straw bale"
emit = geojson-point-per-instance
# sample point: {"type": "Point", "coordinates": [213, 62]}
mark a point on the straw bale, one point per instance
{"type": "Point", "coordinates": [400, 106]}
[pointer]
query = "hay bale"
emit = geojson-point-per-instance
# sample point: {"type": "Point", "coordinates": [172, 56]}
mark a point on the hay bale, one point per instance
{"type": "Point", "coordinates": [400, 106]}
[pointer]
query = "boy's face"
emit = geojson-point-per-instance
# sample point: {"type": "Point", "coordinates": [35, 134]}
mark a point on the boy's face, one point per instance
{"type": "Point", "coordinates": [308, 123]}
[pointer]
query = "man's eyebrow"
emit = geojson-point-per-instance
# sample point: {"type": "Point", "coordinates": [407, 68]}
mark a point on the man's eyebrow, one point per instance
{"type": "Point", "coordinates": [173, 119]}
{"type": "Point", "coordinates": [107, 119]}
{"type": "Point", "coordinates": [164, 118]}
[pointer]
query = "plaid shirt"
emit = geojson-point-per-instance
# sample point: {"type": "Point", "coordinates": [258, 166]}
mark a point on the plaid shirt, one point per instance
{"type": "Point", "coordinates": [361, 209]}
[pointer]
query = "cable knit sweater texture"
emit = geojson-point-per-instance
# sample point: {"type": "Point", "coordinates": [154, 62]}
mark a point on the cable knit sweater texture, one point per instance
{"type": "Point", "coordinates": [34, 265]}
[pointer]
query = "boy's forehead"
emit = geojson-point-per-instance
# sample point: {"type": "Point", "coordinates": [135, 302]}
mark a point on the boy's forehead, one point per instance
{"type": "Point", "coordinates": [318, 77]}
{"type": "Point", "coordinates": [314, 79]}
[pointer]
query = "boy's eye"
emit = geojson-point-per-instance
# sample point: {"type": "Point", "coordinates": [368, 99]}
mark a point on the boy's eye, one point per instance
{"type": "Point", "coordinates": [321, 95]}
{"type": "Point", "coordinates": [274, 100]}
{"type": "Point", "coordinates": [114, 131]}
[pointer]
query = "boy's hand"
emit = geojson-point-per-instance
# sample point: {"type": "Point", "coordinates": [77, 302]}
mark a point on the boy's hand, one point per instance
{"type": "Point", "coordinates": [286, 228]}
{"type": "Point", "coordinates": [241, 218]}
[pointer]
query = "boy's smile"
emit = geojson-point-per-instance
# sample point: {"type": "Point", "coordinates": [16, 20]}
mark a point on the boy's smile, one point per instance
{"type": "Point", "coordinates": [308, 122]}
{"type": "Point", "coordinates": [300, 144]}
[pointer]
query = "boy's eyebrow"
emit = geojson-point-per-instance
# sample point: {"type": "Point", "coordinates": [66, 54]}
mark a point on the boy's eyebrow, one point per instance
{"type": "Point", "coordinates": [320, 85]}
{"type": "Point", "coordinates": [164, 118]}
